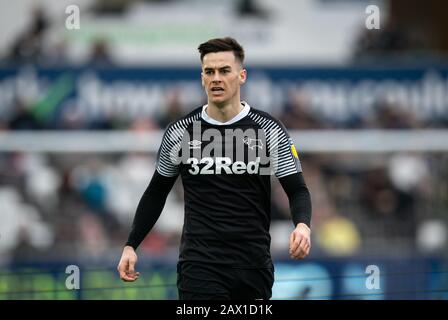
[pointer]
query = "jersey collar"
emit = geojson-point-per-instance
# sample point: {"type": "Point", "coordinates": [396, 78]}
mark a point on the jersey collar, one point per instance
{"type": "Point", "coordinates": [244, 112]}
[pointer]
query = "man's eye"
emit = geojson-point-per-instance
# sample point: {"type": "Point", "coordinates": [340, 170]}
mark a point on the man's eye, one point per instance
{"type": "Point", "coordinates": [208, 72]}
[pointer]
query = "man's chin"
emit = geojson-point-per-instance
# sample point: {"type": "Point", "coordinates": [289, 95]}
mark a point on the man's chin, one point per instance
{"type": "Point", "coordinates": [218, 100]}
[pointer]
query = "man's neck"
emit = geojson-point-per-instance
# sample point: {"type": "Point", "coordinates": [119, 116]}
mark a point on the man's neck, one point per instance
{"type": "Point", "coordinates": [224, 113]}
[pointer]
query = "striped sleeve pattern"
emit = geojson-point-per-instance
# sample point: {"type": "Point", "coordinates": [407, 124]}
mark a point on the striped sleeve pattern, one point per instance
{"type": "Point", "coordinates": [280, 146]}
{"type": "Point", "coordinates": [168, 159]}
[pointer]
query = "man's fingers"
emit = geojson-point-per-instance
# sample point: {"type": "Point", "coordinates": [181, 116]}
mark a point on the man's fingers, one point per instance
{"type": "Point", "coordinates": [126, 269]}
{"type": "Point", "coordinates": [303, 253]}
{"type": "Point", "coordinates": [302, 250]}
{"type": "Point", "coordinates": [133, 274]}
{"type": "Point", "coordinates": [125, 276]}
{"type": "Point", "coordinates": [131, 266]}
{"type": "Point", "coordinates": [294, 244]}
{"type": "Point", "coordinates": [298, 240]}
{"type": "Point", "coordinates": [298, 253]}
{"type": "Point", "coordinates": [291, 240]}
{"type": "Point", "coordinates": [126, 266]}
{"type": "Point", "coordinates": [122, 274]}
{"type": "Point", "coordinates": [122, 266]}
{"type": "Point", "coordinates": [129, 276]}
{"type": "Point", "coordinates": [308, 248]}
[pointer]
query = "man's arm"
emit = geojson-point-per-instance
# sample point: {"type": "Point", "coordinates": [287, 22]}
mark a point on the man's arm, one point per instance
{"type": "Point", "coordinates": [149, 208]}
{"type": "Point", "coordinates": [299, 198]}
{"type": "Point", "coordinates": [148, 211]}
{"type": "Point", "coordinates": [152, 202]}
{"type": "Point", "coordinates": [300, 205]}
{"type": "Point", "coordinates": [288, 169]}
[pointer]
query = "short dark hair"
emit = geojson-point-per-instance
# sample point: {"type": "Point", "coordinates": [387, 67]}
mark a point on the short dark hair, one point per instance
{"type": "Point", "coordinates": [222, 44]}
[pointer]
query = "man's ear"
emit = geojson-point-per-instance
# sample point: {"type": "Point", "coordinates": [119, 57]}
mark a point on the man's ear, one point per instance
{"type": "Point", "coordinates": [243, 76]}
{"type": "Point", "coordinates": [202, 79]}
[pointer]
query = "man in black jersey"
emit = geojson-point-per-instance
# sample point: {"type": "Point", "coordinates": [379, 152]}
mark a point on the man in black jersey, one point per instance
{"type": "Point", "coordinates": [225, 153]}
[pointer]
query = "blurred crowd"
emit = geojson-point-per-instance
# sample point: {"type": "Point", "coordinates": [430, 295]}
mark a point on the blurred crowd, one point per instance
{"type": "Point", "coordinates": [409, 31]}
{"type": "Point", "coordinates": [390, 42]}
{"type": "Point", "coordinates": [32, 46]}
{"type": "Point", "coordinates": [80, 206]}
{"type": "Point", "coordinates": [62, 206]}
{"type": "Point", "coordinates": [296, 114]}
{"type": "Point", "coordinates": [394, 40]}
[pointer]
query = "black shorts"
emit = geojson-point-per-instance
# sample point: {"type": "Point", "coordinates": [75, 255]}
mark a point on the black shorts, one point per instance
{"type": "Point", "coordinates": [199, 281]}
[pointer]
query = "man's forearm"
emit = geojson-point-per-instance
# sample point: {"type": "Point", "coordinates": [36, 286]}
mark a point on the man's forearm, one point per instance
{"type": "Point", "coordinates": [149, 208]}
{"type": "Point", "coordinates": [299, 198]}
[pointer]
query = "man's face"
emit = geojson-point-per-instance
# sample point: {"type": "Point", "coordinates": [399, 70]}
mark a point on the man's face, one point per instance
{"type": "Point", "coordinates": [222, 75]}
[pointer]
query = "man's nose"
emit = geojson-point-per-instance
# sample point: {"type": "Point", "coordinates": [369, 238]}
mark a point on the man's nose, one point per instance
{"type": "Point", "coordinates": [216, 78]}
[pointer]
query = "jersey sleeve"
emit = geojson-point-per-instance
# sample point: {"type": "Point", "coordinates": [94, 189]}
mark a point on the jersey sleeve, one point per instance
{"type": "Point", "coordinates": [283, 154]}
{"type": "Point", "coordinates": [168, 159]}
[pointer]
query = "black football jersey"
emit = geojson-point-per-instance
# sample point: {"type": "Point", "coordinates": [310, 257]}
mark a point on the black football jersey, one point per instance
{"type": "Point", "coordinates": [226, 170]}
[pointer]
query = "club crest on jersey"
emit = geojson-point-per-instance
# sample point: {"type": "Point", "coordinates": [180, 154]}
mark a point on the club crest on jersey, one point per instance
{"type": "Point", "coordinates": [253, 143]}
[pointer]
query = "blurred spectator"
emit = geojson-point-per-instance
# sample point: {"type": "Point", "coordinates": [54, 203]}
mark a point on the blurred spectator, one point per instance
{"type": "Point", "coordinates": [388, 206]}
{"type": "Point", "coordinates": [251, 8]}
{"type": "Point", "coordinates": [338, 236]}
{"type": "Point", "coordinates": [72, 118]}
{"type": "Point", "coordinates": [173, 110]}
{"type": "Point", "coordinates": [28, 47]}
{"type": "Point", "coordinates": [41, 182]}
{"type": "Point", "coordinates": [144, 124]}
{"type": "Point", "coordinates": [392, 116]}
{"type": "Point", "coordinates": [23, 119]}
{"type": "Point", "coordinates": [100, 53]}
{"type": "Point", "coordinates": [111, 6]}
{"type": "Point", "coordinates": [93, 238]}
{"type": "Point", "coordinates": [57, 54]}
{"type": "Point", "coordinates": [296, 114]}
{"type": "Point", "coordinates": [390, 41]}
{"type": "Point", "coordinates": [22, 230]}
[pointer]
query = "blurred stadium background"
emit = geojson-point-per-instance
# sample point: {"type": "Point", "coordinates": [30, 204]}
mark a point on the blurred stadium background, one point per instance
{"type": "Point", "coordinates": [81, 114]}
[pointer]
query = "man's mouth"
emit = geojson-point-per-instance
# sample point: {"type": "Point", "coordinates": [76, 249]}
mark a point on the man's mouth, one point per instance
{"type": "Point", "coordinates": [217, 89]}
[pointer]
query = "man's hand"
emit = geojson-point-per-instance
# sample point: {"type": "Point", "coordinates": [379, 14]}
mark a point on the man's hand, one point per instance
{"type": "Point", "coordinates": [300, 242]}
{"type": "Point", "coordinates": [126, 266]}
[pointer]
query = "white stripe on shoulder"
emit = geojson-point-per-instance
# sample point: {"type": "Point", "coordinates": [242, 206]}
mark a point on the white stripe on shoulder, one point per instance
{"type": "Point", "coordinates": [167, 161]}
{"type": "Point", "coordinates": [277, 141]}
